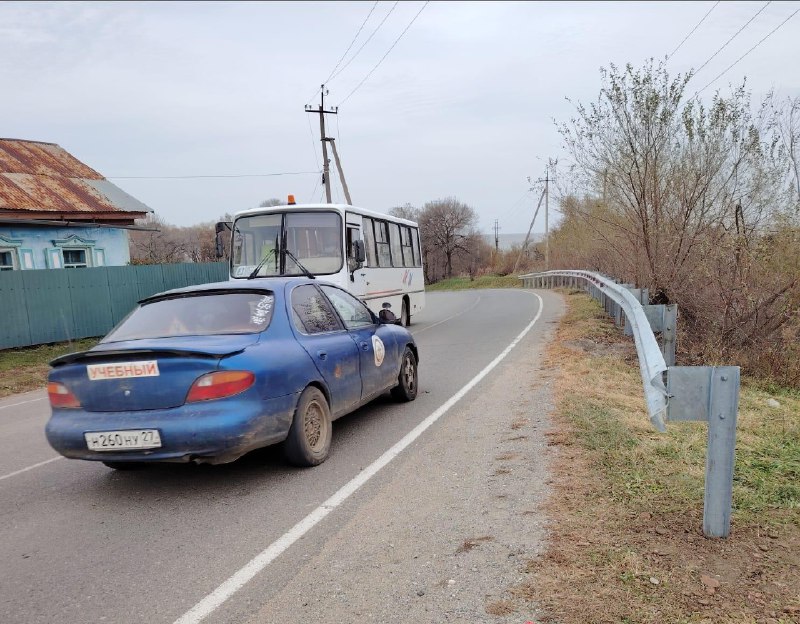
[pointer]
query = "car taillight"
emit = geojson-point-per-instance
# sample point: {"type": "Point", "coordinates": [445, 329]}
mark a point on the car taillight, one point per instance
{"type": "Point", "coordinates": [60, 396]}
{"type": "Point", "coordinates": [219, 385]}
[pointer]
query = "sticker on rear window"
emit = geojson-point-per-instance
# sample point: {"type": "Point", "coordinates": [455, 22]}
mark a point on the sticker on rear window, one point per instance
{"type": "Point", "coordinates": [121, 370]}
{"type": "Point", "coordinates": [262, 311]}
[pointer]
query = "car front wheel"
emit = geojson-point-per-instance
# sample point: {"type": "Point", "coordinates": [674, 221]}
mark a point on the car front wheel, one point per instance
{"type": "Point", "coordinates": [406, 389]}
{"type": "Point", "coordinates": [309, 440]}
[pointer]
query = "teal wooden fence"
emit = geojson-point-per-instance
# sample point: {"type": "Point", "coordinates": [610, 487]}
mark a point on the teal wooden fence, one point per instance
{"type": "Point", "coordinates": [52, 305]}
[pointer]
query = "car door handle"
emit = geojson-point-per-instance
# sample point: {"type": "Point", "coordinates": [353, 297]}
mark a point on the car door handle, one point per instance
{"type": "Point", "coordinates": [322, 355]}
{"type": "Point", "coordinates": [365, 346]}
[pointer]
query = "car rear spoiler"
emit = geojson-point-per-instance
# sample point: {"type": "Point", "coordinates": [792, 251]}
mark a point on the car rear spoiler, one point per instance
{"type": "Point", "coordinates": [71, 358]}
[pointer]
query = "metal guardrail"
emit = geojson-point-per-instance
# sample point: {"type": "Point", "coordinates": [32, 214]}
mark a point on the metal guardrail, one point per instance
{"type": "Point", "coordinates": [672, 393]}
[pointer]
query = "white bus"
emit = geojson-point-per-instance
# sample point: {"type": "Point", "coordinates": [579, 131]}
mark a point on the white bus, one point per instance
{"type": "Point", "coordinates": [374, 256]}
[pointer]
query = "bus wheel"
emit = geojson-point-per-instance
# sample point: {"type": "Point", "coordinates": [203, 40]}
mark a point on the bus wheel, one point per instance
{"type": "Point", "coordinates": [405, 315]}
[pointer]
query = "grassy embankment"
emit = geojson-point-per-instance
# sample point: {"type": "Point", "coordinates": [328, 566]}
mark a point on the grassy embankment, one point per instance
{"type": "Point", "coordinates": [626, 539]}
{"type": "Point", "coordinates": [26, 368]}
{"type": "Point", "coordinates": [484, 281]}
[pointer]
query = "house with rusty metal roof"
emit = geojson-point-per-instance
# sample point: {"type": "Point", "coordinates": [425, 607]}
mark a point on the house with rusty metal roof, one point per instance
{"type": "Point", "coordinates": [56, 212]}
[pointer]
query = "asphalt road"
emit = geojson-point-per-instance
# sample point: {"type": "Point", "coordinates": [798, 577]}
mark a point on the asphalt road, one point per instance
{"type": "Point", "coordinates": [82, 543]}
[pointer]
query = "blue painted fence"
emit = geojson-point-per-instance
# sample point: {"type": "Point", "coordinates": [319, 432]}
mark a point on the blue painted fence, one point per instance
{"type": "Point", "coordinates": [37, 307]}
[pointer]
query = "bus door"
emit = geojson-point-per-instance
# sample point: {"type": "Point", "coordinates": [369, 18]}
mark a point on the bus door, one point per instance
{"type": "Point", "coordinates": [357, 276]}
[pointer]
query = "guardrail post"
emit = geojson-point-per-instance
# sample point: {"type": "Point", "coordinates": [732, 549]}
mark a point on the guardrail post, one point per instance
{"type": "Point", "coordinates": [724, 406]}
{"type": "Point", "coordinates": [669, 333]}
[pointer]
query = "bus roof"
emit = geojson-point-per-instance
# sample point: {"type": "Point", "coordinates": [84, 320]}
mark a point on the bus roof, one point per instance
{"type": "Point", "coordinates": [341, 208]}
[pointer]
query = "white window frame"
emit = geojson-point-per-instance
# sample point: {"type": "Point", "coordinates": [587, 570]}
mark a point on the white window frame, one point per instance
{"type": "Point", "coordinates": [14, 264]}
{"type": "Point", "coordinates": [11, 245]}
{"type": "Point", "coordinates": [77, 265]}
{"type": "Point", "coordinates": [73, 243]}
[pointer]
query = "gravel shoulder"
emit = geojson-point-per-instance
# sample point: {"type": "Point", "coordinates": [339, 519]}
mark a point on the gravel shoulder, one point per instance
{"type": "Point", "coordinates": [448, 528]}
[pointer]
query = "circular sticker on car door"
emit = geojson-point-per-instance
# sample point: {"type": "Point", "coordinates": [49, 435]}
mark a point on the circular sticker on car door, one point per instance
{"type": "Point", "coordinates": [378, 349]}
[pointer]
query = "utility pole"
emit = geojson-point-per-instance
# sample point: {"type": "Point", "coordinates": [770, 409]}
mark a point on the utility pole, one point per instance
{"type": "Point", "coordinates": [341, 173]}
{"type": "Point", "coordinates": [546, 216]}
{"type": "Point", "coordinates": [528, 235]}
{"type": "Point", "coordinates": [496, 236]}
{"type": "Point", "coordinates": [326, 178]}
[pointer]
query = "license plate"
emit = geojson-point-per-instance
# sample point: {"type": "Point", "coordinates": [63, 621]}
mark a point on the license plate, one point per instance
{"type": "Point", "coordinates": [123, 440]}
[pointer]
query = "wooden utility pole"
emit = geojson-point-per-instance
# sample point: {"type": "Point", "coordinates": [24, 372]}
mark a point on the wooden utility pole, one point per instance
{"type": "Point", "coordinates": [496, 236]}
{"type": "Point", "coordinates": [528, 235]}
{"type": "Point", "coordinates": [546, 218]}
{"type": "Point", "coordinates": [341, 173]}
{"type": "Point", "coordinates": [326, 178]}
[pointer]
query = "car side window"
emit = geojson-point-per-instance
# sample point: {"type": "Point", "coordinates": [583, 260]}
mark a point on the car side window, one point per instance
{"type": "Point", "coordinates": [312, 312]}
{"type": "Point", "coordinates": [353, 312]}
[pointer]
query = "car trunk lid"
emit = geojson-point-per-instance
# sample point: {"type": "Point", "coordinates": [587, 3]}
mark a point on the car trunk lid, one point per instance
{"type": "Point", "coordinates": [143, 374]}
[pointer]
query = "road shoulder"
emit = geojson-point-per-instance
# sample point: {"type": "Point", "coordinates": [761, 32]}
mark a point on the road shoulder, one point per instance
{"type": "Point", "coordinates": [446, 531]}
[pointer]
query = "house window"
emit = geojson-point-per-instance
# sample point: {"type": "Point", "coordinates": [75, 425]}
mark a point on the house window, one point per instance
{"type": "Point", "coordinates": [7, 260]}
{"type": "Point", "coordinates": [74, 258]}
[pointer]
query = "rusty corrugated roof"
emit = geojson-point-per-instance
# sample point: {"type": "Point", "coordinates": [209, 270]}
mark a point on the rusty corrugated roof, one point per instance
{"type": "Point", "coordinates": [43, 177]}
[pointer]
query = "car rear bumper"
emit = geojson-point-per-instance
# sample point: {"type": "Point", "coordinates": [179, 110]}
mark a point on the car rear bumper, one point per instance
{"type": "Point", "coordinates": [210, 431]}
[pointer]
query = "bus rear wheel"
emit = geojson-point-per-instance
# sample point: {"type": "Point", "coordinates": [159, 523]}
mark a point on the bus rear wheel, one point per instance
{"type": "Point", "coordinates": [405, 315]}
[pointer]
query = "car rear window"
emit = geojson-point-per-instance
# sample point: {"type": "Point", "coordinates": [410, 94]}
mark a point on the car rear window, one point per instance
{"type": "Point", "coordinates": [197, 315]}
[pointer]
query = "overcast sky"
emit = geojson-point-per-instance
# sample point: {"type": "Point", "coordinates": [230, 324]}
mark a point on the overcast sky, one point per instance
{"type": "Point", "coordinates": [463, 106]}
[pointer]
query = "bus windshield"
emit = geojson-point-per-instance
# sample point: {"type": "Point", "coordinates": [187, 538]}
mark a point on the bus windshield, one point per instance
{"type": "Point", "coordinates": [314, 238]}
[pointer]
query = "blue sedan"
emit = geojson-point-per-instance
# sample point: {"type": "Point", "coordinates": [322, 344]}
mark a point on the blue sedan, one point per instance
{"type": "Point", "coordinates": [210, 372]}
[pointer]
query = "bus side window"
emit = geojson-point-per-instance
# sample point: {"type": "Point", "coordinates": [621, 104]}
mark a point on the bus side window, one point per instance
{"type": "Point", "coordinates": [415, 244]}
{"type": "Point", "coordinates": [405, 241]}
{"type": "Point", "coordinates": [382, 243]}
{"type": "Point", "coordinates": [394, 237]}
{"type": "Point", "coordinates": [369, 242]}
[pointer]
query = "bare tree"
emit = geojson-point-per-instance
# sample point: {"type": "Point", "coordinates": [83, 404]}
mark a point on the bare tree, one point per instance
{"type": "Point", "coordinates": [406, 211]}
{"type": "Point", "coordinates": [269, 203]}
{"type": "Point", "coordinates": [161, 245]}
{"type": "Point", "coordinates": [698, 204]}
{"type": "Point", "coordinates": [446, 226]}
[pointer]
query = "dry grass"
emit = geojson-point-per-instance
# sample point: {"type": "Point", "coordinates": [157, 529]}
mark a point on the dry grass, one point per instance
{"type": "Point", "coordinates": [26, 368]}
{"type": "Point", "coordinates": [500, 607]}
{"type": "Point", "coordinates": [626, 543]}
{"type": "Point", "coordinates": [472, 542]}
{"type": "Point", "coordinates": [508, 455]}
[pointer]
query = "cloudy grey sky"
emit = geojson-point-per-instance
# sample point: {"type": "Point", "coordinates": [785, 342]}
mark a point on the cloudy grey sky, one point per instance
{"type": "Point", "coordinates": [463, 106]}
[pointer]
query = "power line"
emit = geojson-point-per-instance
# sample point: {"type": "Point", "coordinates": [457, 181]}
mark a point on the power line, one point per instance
{"type": "Point", "coordinates": [414, 19]}
{"type": "Point", "coordinates": [194, 177]}
{"type": "Point", "coordinates": [767, 36]}
{"type": "Point", "coordinates": [360, 28]}
{"type": "Point", "coordinates": [385, 17]}
{"type": "Point", "coordinates": [693, 29]}
{"type": "Point", "coordinates": [515, 206]}
{"type": "Point", "coordinates": [736, 34]}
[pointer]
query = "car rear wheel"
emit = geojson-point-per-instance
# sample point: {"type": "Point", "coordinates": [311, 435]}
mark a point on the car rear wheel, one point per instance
{"type": "Point", "coordinates": [406, 389]}
{"type": "Point", "coordinates": [309, 440]}
{"type": "Point", "coordinates": [124, 465]}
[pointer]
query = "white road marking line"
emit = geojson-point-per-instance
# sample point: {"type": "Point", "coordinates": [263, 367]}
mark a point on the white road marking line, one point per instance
{"type": "Point", "coordinates": [23, 402]}
{"type": "Point", "coordinates": [449, 318]}
{"type": "Point", "coordinates": [14, 474]}
{"type": "Point", "coordinates": [228, 588]}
